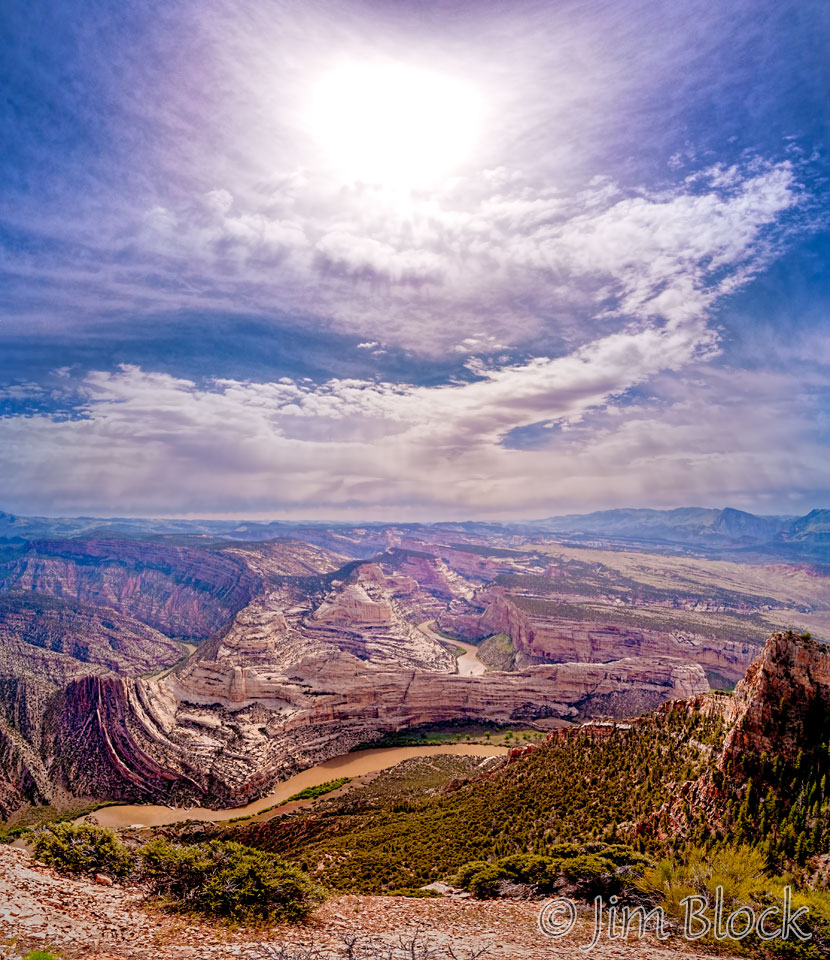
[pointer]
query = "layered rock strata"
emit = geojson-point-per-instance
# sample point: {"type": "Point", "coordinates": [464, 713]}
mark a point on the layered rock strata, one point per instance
{"type": "Point", "coordinates": [562, 639]}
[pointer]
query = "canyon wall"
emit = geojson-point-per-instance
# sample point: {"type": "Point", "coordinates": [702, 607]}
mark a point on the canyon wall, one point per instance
{"type": "Point", "coordinates": [560, 639]}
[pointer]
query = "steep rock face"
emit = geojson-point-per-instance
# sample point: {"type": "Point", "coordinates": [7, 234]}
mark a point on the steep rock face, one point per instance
{"type": "Point", "coordinates": [58, 640]}
{"type": "Point", "coordinates": [784, 688]}
{"type": "Point", "coordinates": [267, 696]}
{"type": "Point", "coordinates": [284, 557]}
{"type": "Point", "coordinates": [353, 604]}
{"type": "Point", "coordinates": [17, 783]}
{"type": "Point", "coordinates": [179, 591]}
{"type": "Point", "coordinates": [434, 575]}
{"type": "Point", "coordinates": [110, 742]}
{"type": "Point", "coordinates": [560, 639]}
{"type": "Point", "coordinates": [23, 775]}
{"type": "Point", "coordinates": [223, 731]}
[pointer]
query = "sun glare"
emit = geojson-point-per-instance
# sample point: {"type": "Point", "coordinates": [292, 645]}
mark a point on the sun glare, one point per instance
{"type": "Point", "coordinates": [394, 125]}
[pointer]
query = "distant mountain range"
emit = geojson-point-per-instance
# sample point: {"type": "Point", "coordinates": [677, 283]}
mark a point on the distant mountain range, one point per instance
{"type": "Point", "coordinates": [719, 530]}
{"type": "Point", "coordinates": [701, 526]}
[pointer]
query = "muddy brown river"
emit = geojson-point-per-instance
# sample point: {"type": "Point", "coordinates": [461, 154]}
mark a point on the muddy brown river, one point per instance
{"type": "Point", "coordinates": [358, 764]}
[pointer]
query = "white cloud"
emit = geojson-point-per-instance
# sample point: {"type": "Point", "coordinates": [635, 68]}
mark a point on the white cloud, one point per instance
{"type": "Point", "coordinates": [428, 272]}
{"type": "Point", "coordinates": [154, 443]}
{"type": "Point", "coordinates": [655, 262]}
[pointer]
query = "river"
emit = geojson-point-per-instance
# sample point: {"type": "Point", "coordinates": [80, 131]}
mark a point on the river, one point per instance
{"type": "Point", "coordinates": [468, 663]}
{"type": "Point", "coordinates": [357, 764]}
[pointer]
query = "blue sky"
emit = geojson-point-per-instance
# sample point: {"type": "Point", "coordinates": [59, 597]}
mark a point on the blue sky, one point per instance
{"type": "Point", "coordinates": [413, 260]}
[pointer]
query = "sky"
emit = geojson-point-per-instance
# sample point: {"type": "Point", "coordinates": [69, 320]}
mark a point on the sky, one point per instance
{"type": "Point", "coordinates": [413, 260]}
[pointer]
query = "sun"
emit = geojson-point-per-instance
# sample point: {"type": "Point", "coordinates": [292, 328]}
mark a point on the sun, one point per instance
{"type": "Point", "coordinates": [394, 125]}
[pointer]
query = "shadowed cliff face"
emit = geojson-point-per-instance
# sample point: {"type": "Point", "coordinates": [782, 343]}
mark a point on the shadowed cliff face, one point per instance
{"type": "Point", "coordinates": [280, 688]}
{"type": "Point", "coordinates": [270, 696]}
{"type": "Point", "coordinates": [181, 591]}
{"type": "Point", "coordinates": [57, 640]}
{"type": "Point", "coordinates": [304, 656]}
{"type": "Point", "coordinates": [600, 634]}
{"type": "Point", "coordinates": [783, 700]}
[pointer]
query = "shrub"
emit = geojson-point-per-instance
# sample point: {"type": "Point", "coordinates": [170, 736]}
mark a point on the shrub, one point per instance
{"type": "Point", "coordinates": [592, 873]}
{"type": "Point", "coordinates": [484, 884]}
{"type": "Point", "coordinates": [466, 873]}
{"type": "Point", "coordinates": [739, 870]}
{"type": "Point", "coordinates": [311, 793]}
{"type": "Point", "coordinates": [530, 868]}
{"type": "Point", "coordinates": [564, 850]}
{"type": "Point", "coordinates": [82, 848]}
{"type": "Point", "coordinates": [622, 855]}
{"type": "Point", "coordinates": [604, 870]}
{"type": "Point", "coordinates": [40, 955]}
{"type": "Point", "coordinates": [228, 880]}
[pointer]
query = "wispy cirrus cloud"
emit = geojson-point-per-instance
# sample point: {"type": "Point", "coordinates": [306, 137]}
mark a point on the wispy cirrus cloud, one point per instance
{"type": "Point", "coordinates": [504, 260]}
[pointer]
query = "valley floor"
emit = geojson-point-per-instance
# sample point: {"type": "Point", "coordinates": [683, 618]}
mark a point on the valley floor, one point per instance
{"type": "Point", "coordinates": [80, 919]}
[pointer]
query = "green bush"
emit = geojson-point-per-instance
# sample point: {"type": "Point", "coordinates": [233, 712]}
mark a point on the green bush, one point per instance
{"type": "Point", "coordinates": [466, 873]}
{"type": "Point", "coordinates": [740, 870]}
{"type": "Point", "coordinates": [229, 881]}
{"type": "Point", "coordinates": [621, 855]}
{"type": "Point", "coordinates": [587, 867]}
{"type": "Point", "coordinates": [311, 793]}
{"type": "Point", "coordinates": [530, 868]}
{"type": "Point", "coordinates": [40, 955]}
{"type": "Point", "coordinates": [594, 868]}
{"type": "Point", "coordinates": [484, 883]}
{"type": "Point", "coordinates": [82, 848]}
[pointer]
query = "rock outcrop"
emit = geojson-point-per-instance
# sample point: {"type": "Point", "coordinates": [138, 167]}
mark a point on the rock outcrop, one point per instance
{"type": "Point", "coordinates": [57, 640]}
{"type": "Point", "coordinates": [783, 693]}
{"type": "Point", "coordinates": [223, 730]}
{"type": "Point", "coordinates": [182, 591]}
{"type": "Point", "coordinates": [552, 638]}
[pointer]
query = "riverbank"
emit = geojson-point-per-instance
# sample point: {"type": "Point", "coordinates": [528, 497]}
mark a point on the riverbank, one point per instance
{"type": "Point", "coordinates": [467, 662]}
{"type": "Point", "coordinates": [355, 765]}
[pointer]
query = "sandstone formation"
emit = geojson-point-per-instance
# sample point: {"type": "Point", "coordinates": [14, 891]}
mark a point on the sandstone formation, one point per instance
{"type": "Point", "coordinates": [225, 733]}
{"type": "Point", "coordinates": [302, 657]}
{"type": "Point", "coordinates": [551, 638]}
{"type": "Point", "coordinates": [182, 591]}
{"type": "Point", "coordinates": [57, 640]}
{"type": "Point", "coordinates": [779, 699]}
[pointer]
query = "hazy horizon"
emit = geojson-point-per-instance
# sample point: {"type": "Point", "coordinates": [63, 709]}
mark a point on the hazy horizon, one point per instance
{"type": "Point", "coordinates": [391, 521]}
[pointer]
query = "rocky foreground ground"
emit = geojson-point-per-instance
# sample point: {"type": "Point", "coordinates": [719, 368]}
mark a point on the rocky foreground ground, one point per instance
{"type": "Point", "coordinates": [83, 919]}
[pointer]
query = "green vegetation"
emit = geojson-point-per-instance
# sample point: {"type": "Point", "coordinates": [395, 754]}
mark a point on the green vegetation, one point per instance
{"type": "Point", "coordinates": [308, 793]}
{"type": "Point", "coordinates": [228, 881]}
{"type": "Point", "coordinates": [455, 731]}
{"type": "Point", "coordinates": [35, 818]}
{"type": "Point", "coordinates": [782, 806]}
{"type": "Point", "coordinates": [590, 870]}
{"type": "Point", "coordinates": [222, 880]}
{"type": "Point", "coordinates": [40, 955]}
{"type": "Point", "coordinates": [311, 793]}
{"type": "Point", "coordinates": [83, 848]}
{"type": "Point", "coordinates": [498, 652]}
{"type": "Point", "coordinates": [742, 873]}
{"type": "Point", "coordinates": [574, 789]}
{"type": "Point", "coordinates": [10, 834]}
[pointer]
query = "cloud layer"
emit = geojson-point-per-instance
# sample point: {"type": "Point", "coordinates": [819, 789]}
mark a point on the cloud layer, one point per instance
{"type": "Point", "coordinates": [234, 325]}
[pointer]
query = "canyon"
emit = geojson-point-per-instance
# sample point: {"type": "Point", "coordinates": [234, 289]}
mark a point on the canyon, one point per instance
{"type": "Point", "coordinates": [195, 670]}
